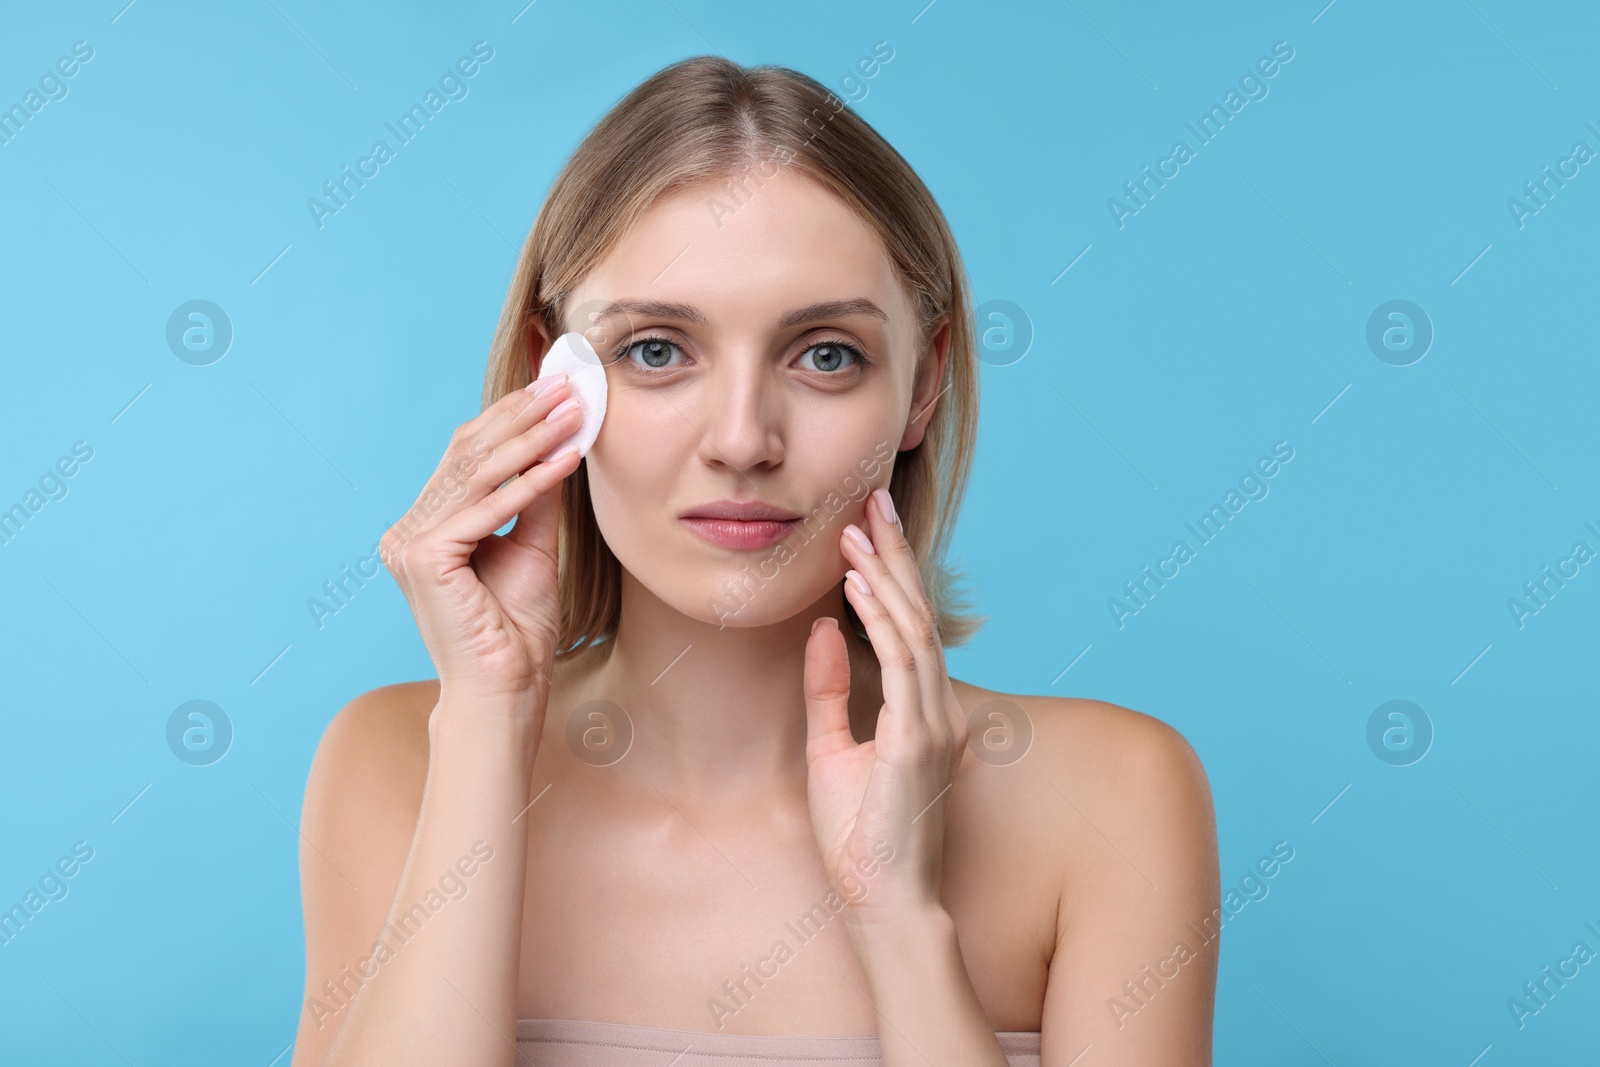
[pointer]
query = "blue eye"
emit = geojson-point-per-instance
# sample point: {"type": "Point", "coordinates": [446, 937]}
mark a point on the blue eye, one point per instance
{"type": "Point", "coordinates": [831, 355]}
{"type": "Point", "coordinates": [656, 352]}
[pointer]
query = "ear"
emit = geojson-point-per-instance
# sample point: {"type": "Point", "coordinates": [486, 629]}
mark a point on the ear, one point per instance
{"type": "Point", "coordinates": [539, 342]}
{"type": "Point", "coordinates": [925, 390]}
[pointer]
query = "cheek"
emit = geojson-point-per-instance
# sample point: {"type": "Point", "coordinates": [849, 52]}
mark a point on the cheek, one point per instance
{"type": "Point", "coordinates": [635, 463]}
{"type": "Point", "coordinates": [847, 458]}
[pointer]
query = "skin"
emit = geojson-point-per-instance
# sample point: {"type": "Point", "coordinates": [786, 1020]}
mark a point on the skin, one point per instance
{"type": "Point", "coordinates": [771, 761]}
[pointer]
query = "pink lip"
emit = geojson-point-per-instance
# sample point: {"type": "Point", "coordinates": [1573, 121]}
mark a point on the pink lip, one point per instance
{"type": "Point", "coordinates": [740, 535]}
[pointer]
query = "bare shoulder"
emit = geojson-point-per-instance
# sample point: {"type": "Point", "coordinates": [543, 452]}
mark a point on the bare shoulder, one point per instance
{"type": "Point", "coordinates": [368, 774]}
{"type": "Point", "coordinates": [363, 797]}
{"type": "Point", "coordinates": [378, 724]}
{"type": "Point", "coordinates": [1092, 738]}
{"type": "Point", "coordinates": [1090, 768]}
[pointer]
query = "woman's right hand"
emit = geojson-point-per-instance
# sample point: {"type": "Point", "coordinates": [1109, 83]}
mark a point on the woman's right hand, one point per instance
{"type": "Point", "coordinates": [487, 605]}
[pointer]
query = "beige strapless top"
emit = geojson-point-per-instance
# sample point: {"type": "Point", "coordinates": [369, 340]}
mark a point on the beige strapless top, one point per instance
{"type": "Point", "coordinates": [580, 1043]}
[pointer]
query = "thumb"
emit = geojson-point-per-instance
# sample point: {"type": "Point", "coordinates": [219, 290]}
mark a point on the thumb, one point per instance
{"type": "Point", "coordinates": [827, 689]}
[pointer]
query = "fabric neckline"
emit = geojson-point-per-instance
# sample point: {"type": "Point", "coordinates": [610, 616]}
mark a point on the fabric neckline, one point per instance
{"type": "Point", "coordinates": [662, 1039]}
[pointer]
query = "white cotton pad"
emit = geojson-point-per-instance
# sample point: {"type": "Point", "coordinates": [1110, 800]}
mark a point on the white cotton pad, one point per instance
{"type": "Point", "coordinates": [574, 356]}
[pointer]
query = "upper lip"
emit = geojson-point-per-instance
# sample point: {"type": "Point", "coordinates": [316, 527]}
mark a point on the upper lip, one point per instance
{"type": "Point", "coordinates": [744, 511]}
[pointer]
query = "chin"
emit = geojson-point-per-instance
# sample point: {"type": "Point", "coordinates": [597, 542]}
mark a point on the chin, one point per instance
{"type": "Point", "coordinates": [748, 595]}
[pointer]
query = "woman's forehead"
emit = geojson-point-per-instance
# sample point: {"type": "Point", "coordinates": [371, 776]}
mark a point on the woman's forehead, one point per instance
{"type": "Point", "coordinates": [788, 245]}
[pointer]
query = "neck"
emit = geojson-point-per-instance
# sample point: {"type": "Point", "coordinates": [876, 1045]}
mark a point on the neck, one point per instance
{"type": "Point", "coordinates": [716, 713]}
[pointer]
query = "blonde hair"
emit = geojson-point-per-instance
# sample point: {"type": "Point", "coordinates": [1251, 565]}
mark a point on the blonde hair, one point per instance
{"type": "Point", "coordinates": [708, 118]}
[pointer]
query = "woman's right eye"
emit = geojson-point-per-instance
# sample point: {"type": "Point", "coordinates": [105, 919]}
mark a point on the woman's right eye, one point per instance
{"type": "Point", "coordinates": [654, 353]}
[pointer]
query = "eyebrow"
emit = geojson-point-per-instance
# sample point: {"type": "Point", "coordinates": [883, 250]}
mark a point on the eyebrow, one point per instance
{"type": "Point", "coordinates": [827, 309]}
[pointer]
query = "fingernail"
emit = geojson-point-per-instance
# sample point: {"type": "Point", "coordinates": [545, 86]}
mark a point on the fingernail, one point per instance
{"type": "Point", "coordinates": [542, 386]}
{"type": "Point", "coordinates": [820, 619]}
{"type": "Point", "coordinates": [569, 404]}
{"type": "Point", "coordinates": [854, 577]}
{"type": "Point", "coordinates": [860, 539]}
{"type": "Point", "coordinates": [885, 505]}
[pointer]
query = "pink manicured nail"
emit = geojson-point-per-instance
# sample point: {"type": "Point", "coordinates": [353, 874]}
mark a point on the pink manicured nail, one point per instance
{"type": "Point", "coordinates": [569, 404]}
{"type": "Point", "coordinates": [542, 386]}
{"type": "Point", "coordinates": [854, 577]}
{"type": "Point", "coordinates": [885, 505]}
{"type": "Point", "coordinates": [860, 539]}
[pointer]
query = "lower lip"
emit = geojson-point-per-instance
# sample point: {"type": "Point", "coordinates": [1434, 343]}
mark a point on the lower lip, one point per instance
{"type": "Point", "coordinates": [740, 535]}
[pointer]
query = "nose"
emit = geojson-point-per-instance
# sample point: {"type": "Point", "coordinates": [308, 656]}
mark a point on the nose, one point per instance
{"type": "Point", "coordinates": [740, 413]}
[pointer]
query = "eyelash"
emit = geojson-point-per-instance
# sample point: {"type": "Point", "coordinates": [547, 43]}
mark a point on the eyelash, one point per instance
{"type": "Point", "coordinates": [856, 354]}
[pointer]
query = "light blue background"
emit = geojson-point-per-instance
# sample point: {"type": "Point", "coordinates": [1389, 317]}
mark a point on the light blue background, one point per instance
{"type": "Point", "coordinates": [1226, 315]}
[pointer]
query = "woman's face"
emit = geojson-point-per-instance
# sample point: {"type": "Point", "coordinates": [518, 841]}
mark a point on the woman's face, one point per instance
{"type": "Point", "coordinates": [762, 352]}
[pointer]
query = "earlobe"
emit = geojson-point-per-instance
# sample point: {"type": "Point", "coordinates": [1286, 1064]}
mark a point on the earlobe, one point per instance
{"type": "Point", "coordinates": [913, 435]}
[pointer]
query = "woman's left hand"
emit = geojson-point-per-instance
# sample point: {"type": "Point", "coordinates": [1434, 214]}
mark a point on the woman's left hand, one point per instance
{"type": "Point", "coordinates": [878, 807]}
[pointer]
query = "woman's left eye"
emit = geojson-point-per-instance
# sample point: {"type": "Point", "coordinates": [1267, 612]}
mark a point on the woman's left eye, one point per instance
{"type": "Point", "coordinates": [829, 356]}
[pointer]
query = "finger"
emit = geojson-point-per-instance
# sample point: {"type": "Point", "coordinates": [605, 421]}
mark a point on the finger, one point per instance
{"type": "Point", "coordinates": [476, 444]}
{"type": "Point", "coordinates": [902, 690]}
{"type": "Point", "coordinates": [912, 617]}
{"type": "Point", "coordinates": [827, 689]}
{"type": "Point", "coordinates": [889, 538]}
{"type": "Point", "coordinates": [509, 408]}
{"type": "Point", "coordinates": [475, 465]}
{"type": "Point", "coordinates": [473, 523]}
{"type": "Point", "coordinates": [512, 457]}
{"type": "Point", "coordinates": [475, 441]}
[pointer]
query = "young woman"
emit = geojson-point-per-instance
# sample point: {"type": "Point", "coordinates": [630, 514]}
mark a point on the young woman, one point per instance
{"type": "Point", "coordinates": [693, 785]}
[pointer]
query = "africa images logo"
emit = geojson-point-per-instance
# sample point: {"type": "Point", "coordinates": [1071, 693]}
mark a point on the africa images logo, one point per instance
{"type": "Point", "coordinates": [452, 85]}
